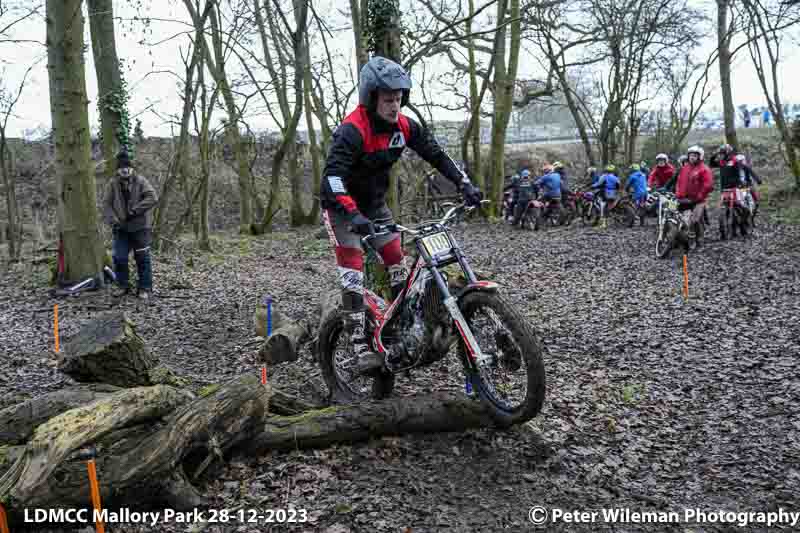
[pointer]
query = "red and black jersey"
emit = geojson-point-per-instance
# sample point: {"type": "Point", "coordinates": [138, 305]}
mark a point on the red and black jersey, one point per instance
{"type": "Point", "coordinates": [364, 148]}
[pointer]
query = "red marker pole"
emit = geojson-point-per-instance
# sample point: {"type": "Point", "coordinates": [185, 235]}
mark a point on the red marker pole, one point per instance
{"type": "Point", "coordinates": [685, 278]}
{"type": "Point", "coordinates": [3, 520]}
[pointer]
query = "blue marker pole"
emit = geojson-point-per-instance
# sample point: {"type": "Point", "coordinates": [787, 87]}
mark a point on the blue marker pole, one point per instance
{"type": "Point", "coordinates": [269, 316]}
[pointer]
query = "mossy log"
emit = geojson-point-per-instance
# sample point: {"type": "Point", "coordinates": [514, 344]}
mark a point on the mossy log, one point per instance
{"type": "Point", "coordinates": [18, 422]}
{"type": "Point", "coordinates": [434, 413]}
{"type": "Point", "coordinates": [150, 442]}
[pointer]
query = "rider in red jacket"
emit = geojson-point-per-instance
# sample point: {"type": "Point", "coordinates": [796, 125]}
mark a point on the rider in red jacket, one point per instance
{"type": "Point", "coordinates": [695, 183]}
{"type": "Point", "coordinates": [661, 173]}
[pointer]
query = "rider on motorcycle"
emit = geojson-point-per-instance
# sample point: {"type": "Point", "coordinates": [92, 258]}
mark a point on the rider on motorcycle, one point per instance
{"type": "Point", "coordinates": [509, 194]}
{"type": "Point", "coordinates": [365, 146]}
{"type": "Point", "coordinates": [550, 186]}
{"type": "Point", "coordinates": [607, 186]}
{"type": "Point", "coordinates": [523, 193]}
{"type": "Point", "coordinates": [637, 181]}
{"type": "Point", "coordinates": [558, 168]}
{"type": "Point", "coordinates": [725, 161]}
{"type": "Point", "coordinates": [662, 173]}
{"type": "Point", "coordinates": [695, 183]}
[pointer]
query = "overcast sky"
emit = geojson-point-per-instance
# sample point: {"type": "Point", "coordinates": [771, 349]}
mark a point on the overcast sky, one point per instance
{"type": "Point", "coordinates": [154, 91]}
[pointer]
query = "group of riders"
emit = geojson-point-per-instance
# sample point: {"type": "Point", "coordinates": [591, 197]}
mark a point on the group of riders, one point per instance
{"type": "Point", "coordinates": [691, 183]}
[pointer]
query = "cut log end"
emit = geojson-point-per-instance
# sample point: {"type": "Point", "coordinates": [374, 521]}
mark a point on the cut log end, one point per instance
{"type": "Point", "coordinates": [108, 350]}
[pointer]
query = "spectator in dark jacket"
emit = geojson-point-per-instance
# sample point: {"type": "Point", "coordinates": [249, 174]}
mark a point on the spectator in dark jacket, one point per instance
{"type": "Point", "coordinates": [128, 201]}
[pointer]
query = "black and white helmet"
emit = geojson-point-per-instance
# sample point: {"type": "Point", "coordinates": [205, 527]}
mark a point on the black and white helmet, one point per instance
{"type": "Point", "coordinates": [662, 156]}
{"type": "Point", "coordinates": [382, 73]}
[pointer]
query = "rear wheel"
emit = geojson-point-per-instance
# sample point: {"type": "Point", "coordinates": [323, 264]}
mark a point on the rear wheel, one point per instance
{"type": "Point", "coordinates": [724, 227]}
{"type": "Point", "coordinates": [511, 381]}
{"type": "Point", "coordinates": [338, 364]}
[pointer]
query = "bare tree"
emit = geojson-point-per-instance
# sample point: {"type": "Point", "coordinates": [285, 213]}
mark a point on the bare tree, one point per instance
{"type": "Point", "coordinates": [725, 32]}
{"type": "Point", "coordinates": [10, 16]}
{"type": "Point", "coordinates": [764, 18]}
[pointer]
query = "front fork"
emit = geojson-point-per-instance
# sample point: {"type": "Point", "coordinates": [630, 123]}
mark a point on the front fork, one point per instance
{"type": "Point", "coordinates": [474, 354]}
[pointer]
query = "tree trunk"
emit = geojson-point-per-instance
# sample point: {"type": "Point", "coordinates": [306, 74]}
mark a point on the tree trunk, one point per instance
{"type": "Point", "coordinates": [314, 148]}
{"type": "Point", "coordinates": [357, 15]}
{"type": "Point", "coordinates": [182, 152]}
{"type": "Point", "coordinates": [723, 44]}
{"type": "Point", "coordinates": [111, 98]}
{"type": "Point", "coordinates": [216, 65]}
{"type": "Point", "coordinates": [475, 107]}
{"type": "Point", "coordinates": [10, 186]}
{"type": "Point", "coordinates": [504, 80]}
{"type": "Point", "coordinates": [77, 205]}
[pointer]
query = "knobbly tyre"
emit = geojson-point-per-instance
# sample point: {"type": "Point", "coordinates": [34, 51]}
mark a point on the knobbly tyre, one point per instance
{"type": "Point", "coordinates": [498, 350]}
{"type": "Point", "coordinates": [737, 212]}
{"type": "Point", "coordinates": [673, 226]}
{"type": "Point", "coordinates": [546, 213]}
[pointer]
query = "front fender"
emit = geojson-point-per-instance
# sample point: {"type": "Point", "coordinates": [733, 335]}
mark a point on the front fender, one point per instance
{"type": "Point", "coordinates": [483, 285]}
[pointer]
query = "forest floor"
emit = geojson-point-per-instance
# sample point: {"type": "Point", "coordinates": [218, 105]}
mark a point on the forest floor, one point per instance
{"type": "Point", "coordinates": [654, 403]}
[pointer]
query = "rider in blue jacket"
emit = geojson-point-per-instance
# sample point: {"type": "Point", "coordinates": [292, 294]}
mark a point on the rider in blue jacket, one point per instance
{"type": "Point", "coordinates": [637, 182]}
{"type": "Point", "coordinates": [608, 185]}
{"type": "Point", "coordinates": [549, 184]}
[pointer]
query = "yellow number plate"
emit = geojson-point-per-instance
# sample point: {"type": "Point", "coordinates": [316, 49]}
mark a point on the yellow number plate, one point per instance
{"type": "Point", "coordinates": [437, 243]}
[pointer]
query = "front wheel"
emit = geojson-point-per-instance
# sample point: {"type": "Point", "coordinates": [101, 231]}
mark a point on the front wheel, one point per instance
{"type": "Point", "coordinates": [667, 241]}
{"type": "Point", "coordinates": [338, 365]}
{"type": "Point", "coordinates": [511, 380]}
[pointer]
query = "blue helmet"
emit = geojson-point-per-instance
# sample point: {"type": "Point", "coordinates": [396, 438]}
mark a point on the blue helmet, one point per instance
{"type": "Point", "coordinates": [525, 173]}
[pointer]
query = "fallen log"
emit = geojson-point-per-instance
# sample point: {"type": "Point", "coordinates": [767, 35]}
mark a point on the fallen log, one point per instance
{"type": "Point", "coordinates": [434, 413]}
{"type": "Point", "coordinates": [108, 350]}
{"type": "Point", "coordinates": [17, 422]}
{"type": "Point", "coordinates": [150, 443]}
{"type": "Point", "coordinates": [283, 345]}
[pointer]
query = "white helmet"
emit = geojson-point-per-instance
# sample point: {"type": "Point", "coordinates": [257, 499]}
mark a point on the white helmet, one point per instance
{"type": "Point", "coordinates": [696, 150]}
{"type": "Point", "coordinates": [662, 156]}
{"type": "Point", "coordinates": [741, 158]}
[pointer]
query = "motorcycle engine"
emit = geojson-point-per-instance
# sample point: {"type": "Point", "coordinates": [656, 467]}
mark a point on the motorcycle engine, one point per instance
{"type": "Point", "coordinates": [418, 325]}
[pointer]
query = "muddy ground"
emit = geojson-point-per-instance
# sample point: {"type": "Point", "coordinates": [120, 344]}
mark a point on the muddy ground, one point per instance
{"type": "Point", "coordinates": [654, 403]}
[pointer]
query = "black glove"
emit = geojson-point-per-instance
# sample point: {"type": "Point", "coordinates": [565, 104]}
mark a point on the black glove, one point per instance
{"type": "Point", "coordinates": [362, 225]}
{"type": "Point", "coordinates": [472, 195]}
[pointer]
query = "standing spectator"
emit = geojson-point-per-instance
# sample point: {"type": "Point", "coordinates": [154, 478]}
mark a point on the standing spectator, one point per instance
{"type": "Point", "coordinates": [767, 117]}
{"type": "Point", "coordinates": [128, 201]}
{"type": "Point", "coordinates": [747, 118]}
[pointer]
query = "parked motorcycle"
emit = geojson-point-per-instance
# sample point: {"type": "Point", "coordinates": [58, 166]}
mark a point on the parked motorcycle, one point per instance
{"type": "Point", "coordinates": [498, 350]}
{"type": "Point", "coordinates": [736, 211]}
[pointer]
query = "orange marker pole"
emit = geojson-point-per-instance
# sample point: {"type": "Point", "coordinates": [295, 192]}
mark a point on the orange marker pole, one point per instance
{"type": "Point", "coordinates": [99, 526]}
{"type": "Point", "coordinates": [264, 375]}
{"type": "Point", "coordinates": [3, 520]}
{"type": "Point", "coordinates": [55, 324]}
{"type": "Point", "coordinates": [685, 278]}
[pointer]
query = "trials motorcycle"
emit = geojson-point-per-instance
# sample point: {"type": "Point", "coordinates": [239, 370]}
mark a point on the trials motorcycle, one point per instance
{"type": "Point", "coordinates": [500, 355]}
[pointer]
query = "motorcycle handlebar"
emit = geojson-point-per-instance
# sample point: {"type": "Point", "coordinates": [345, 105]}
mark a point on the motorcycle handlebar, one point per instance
{"type": "Point", "coordinates": [388, 229]}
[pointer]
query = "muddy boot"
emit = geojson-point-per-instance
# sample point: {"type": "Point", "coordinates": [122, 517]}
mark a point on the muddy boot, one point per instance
{"type": "Point", "coordinates": [367, 361]}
